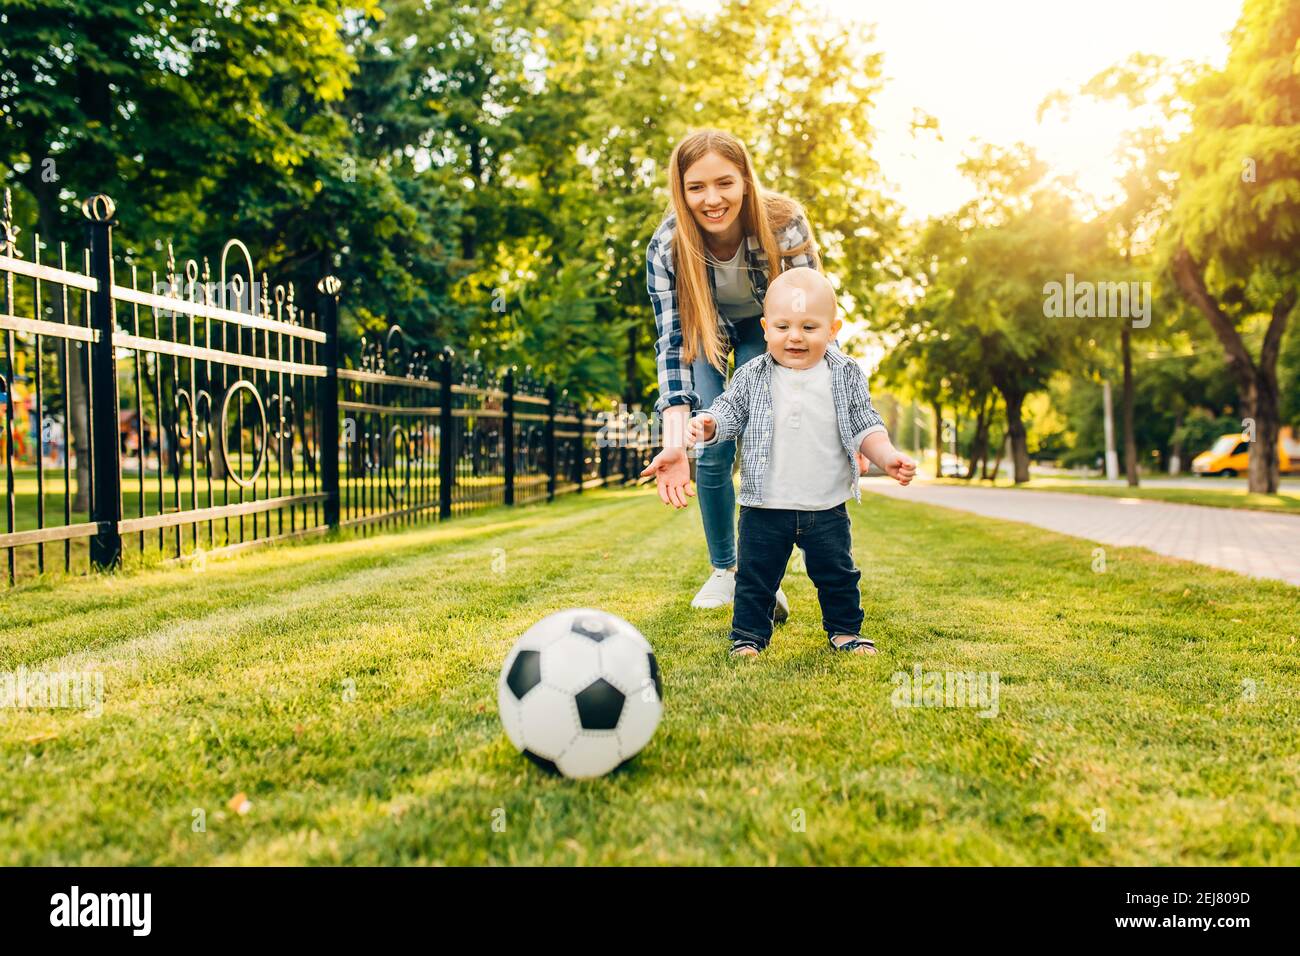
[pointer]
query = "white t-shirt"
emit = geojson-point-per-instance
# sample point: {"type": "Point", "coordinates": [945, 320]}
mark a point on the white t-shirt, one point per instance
{"type": "Point", "coordinates": [734, 291]}
{"type": "Point", "coordinates": [808, 469]}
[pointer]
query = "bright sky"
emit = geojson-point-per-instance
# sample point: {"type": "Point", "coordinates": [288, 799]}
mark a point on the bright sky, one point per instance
{"type": "Point", "coordinates": [983, 68]}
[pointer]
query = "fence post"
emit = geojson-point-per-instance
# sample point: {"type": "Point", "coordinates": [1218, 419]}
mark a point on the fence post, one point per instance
{"type": "Point", "coordinates": [580, 463]}
{"type": "Point", "coordinates": [510, 435]}
{"type": "Point", "coordinates": [622, 443]}
{"type": "Point", "coordinates": [106, 546]}
{"type": "Point", "coordinates": [329, 288]}
{"type": "Point", "coordinates": [602, 446]}
{"type": "Point", "coordinates": [446, 437]}
{"type": "Point", "coordinates": [550, 443]}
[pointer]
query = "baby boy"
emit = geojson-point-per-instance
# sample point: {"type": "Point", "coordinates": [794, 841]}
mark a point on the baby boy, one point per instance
{"type": "Point", "coordinates": [805, 413]}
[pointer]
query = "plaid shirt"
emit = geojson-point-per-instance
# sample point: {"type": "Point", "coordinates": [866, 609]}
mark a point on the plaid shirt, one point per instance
{"type": "Point", "coordinates": [746, 408]}
{"type": "Point", "coordinates": [676, 384]}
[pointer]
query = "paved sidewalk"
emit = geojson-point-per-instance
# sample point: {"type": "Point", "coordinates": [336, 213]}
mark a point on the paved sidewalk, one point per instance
{"type": "Point", "coordinates": [1255, 543]}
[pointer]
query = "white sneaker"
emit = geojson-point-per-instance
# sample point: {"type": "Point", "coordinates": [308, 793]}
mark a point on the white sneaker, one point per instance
{"type": "Point", "coordinates": [782, 611]}
{"type": "Point", "coordinates": [718, 590]}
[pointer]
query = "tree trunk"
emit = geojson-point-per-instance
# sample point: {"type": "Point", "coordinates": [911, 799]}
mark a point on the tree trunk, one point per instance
{"type": "Point", "coordinates": [1016, 432]}
{"type": "Point", "coordinates": [997, 462]}
{"type": "Point", "coordinates": [1262, 466]}
{"type": "Point", "coordinates": [938, 441]}
{"type": "Point", "coordinates": [1130, 436]}
{"type": "Point", "coordinates": [979, 446]}
{"type": "Point", "coordinates": [1108, 427]}
{"type": "Point", "coordinates": [1176, 448]}
{"type": "Point", "coordinates": [1256, 382]}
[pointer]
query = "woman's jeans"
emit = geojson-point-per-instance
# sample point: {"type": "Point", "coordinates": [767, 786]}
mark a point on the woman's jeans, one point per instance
{"type": "Point", "coordinates": [714, 487]}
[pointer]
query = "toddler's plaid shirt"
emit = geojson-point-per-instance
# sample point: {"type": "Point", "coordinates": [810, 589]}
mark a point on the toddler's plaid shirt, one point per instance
{"type": "Point", "coordinates": [746, 408]}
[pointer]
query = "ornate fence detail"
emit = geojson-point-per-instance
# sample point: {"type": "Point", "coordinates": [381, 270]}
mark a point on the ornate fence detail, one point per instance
{"type": "Point", "coordinates": [32, 291]}
{"type": "Point", "coordinates": [186, 412]}
{"type": "Point", "coordinates": [195, 399]}
{"type": "Point", "coordinates": [530, 428]}
{"type": "Point", "coordinates": [225, 376]}
{"type": "Point", "coordinates": [389, 440]}
{"type": "Point", "coordinates": [477, 442]}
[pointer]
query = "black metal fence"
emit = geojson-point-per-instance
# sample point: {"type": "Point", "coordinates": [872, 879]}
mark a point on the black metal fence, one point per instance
{"type": "Point", "coordinates": [201, 413]}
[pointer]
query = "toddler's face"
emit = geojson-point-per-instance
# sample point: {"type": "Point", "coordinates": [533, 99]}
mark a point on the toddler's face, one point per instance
{"type": "Point", "coordinates": [796, 336]}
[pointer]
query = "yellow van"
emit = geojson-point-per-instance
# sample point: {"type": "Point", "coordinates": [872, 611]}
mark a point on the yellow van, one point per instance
{"type": "Point", "coordinates": [1230, 454]}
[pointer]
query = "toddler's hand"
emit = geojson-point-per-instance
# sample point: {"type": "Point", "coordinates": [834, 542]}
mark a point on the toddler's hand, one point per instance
{"type": "Point", "coordinates": [900, 467]}
{"type": "Point", "coordinates": [700, 428]}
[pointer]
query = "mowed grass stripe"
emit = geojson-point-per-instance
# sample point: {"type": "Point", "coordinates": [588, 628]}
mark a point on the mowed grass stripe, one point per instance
{"type": "Point", "coordinates": [81, 615]}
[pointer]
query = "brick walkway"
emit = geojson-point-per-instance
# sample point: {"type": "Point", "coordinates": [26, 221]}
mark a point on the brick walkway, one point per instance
{"type": "Point", "coordinates": [1255, 543]}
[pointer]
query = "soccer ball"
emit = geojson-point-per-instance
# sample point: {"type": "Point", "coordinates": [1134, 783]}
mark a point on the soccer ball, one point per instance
{"type": "Point", "coordinates": [580, 692]}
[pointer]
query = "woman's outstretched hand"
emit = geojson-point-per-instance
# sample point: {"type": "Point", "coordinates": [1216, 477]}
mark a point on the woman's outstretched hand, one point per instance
{"type": "Point", "coordinates": [672, 474]}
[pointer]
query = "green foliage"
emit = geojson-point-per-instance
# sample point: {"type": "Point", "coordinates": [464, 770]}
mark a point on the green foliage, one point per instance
{"type": "Point", "coordinates": [486, 174]}
{"type": "Point", "coordinates": [614, 91]}
{"type": "Point", "coordinates": [440, 158]}
{"type": "Point", "coordinates": [968, 315]}
{"type": "Point", "coordinates": [1239, 168]}
{"type": "Point", "coordinates": [1214, 166]}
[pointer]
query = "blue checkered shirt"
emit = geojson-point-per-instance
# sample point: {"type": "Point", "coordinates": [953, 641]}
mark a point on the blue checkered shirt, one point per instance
{"type": "Point", "coordinates": [676, 384]}
{"type": "Point", "coordinates": [745, 408]}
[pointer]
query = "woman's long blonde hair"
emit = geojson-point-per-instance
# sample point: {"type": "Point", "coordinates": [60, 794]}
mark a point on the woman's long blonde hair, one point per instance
{"type": "Point", "coordinates": [762, 214]}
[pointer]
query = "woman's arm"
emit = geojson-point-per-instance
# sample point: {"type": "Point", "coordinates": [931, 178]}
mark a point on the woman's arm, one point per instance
{"type": "Point", "coordinates": [676, 383]}
{"type": "Point", "coordinates": [677, 396]}
{"type": "Point", "coordinates": [672, 428]}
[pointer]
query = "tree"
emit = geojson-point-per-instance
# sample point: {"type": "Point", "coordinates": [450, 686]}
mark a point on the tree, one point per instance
{"type": "Point", "coordinates": [612, 91]}
{"type": "Point", "coordinates": [1236, 217]}
{"type": "Point", "coordinates": [153, 103]}
{"type": "Point", "coordinates": [972, 300]}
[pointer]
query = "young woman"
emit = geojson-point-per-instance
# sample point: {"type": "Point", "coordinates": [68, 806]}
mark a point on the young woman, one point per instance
{"type": "Point", "coordinates": [708, 265]}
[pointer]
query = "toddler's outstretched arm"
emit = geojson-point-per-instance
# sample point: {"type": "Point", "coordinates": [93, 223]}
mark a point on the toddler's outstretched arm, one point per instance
{"type": "Point", "coordinates": [727, 417]}
{"type": "Point", "coordinates": [702, 428]}
{"type": "Point", "coordinates": [881, 451]}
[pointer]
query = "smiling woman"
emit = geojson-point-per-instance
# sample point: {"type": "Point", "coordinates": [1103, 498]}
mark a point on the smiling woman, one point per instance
{"type": "Point", "coordinates": [723, 239]}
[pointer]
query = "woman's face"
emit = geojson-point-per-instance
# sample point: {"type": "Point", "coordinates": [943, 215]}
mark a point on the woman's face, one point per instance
{"type": "Point", "coordinates": [714, 191]}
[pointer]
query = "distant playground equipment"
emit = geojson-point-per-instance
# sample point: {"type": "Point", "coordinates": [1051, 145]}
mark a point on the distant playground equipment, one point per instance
{"type": "Point", "coordinates": [19, 423]}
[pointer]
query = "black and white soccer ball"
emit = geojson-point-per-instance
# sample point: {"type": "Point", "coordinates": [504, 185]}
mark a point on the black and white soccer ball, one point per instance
{"type": "Point", "coordinates": [580, 692]}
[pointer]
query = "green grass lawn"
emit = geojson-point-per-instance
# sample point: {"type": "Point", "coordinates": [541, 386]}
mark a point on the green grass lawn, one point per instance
{"type": "Point", "coordinates": [1123, 692]}
{"type": "Point", "coordinates": [1211, 494]}
{"type": "Point", "coordinates": [357, 492]}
